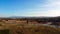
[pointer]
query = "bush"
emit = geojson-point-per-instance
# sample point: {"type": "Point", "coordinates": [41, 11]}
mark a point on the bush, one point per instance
{"type": "Point", "coordinates": [4, 31]}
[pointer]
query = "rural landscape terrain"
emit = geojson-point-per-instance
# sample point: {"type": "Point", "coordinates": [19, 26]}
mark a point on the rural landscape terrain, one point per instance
{"type": "Point", "coordinates": [29, 16]}
{"type": "Point", "coordinates": [30, 25]}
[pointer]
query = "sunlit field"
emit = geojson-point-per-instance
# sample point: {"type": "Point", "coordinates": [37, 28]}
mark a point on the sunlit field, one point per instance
{"type": "Point", "coordinates": [30, 29]}
{"type": "Point", "coordinates": [35, 29]}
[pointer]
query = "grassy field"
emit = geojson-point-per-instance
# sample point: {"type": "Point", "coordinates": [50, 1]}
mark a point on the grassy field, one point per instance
{"type": "Point", "coordinates": [28, 29]}
{"type": "Point", "coordinates": [35, 29]}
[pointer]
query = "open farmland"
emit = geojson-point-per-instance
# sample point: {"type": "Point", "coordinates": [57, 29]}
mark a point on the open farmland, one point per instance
{"type": "Point", "coordinates": [34, 29]}
{"type": "Point", "coordinates": [29, 26]}
{"type": "Point", "coordinates": [31, 29]}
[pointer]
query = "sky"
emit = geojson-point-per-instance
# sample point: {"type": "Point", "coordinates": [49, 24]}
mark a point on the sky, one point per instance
{"type": "Point", "coordinates": [29, 8]}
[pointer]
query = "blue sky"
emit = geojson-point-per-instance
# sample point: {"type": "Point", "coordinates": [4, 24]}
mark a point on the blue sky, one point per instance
{"type": "Point", "coordinates": [29, 8]}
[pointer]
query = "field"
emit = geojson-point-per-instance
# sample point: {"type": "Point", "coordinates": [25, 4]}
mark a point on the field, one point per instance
{"type": "Point", "coordinates": [28, 27]}
{"type": "Point", "coordinates": [33, 29]}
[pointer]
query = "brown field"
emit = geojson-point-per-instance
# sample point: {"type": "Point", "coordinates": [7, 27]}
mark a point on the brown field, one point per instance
{"type": "Point", "coordinates": [22, 27]}
{"type": "Point", "coordinates": [34, 29]}
{"type": "Point", "coordinates": [31, 29]}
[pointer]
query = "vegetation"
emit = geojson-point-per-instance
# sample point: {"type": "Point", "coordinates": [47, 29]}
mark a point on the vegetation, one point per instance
{"type": "Point", "coordinates": [6, 31]}
{"type": "Point", "coordinates": [35, 29]}
{"type": "Point", "coordinates": [29, 29]}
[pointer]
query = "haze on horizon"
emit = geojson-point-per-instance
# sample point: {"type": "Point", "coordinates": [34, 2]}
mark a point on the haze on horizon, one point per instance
{"type": "Point", "coordinates": [29, 8]}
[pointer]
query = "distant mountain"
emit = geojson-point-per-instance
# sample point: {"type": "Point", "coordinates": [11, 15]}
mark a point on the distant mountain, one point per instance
{"type": "Point", "coordinates": [33, 17]}
{"type": "Point", "coordinates": [17, 17]}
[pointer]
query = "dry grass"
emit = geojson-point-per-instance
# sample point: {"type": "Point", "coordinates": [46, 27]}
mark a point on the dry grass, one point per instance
{"type": "Point", "coordinates": [30, 29]}
{"type": "Point", "coordinates": [33, 29]}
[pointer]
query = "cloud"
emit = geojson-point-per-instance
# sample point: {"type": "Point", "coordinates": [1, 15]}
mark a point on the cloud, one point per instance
{"type": "Point", "coordinates": [52, 9]}
{"type": "Point", "coordinates": [50, 13]}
